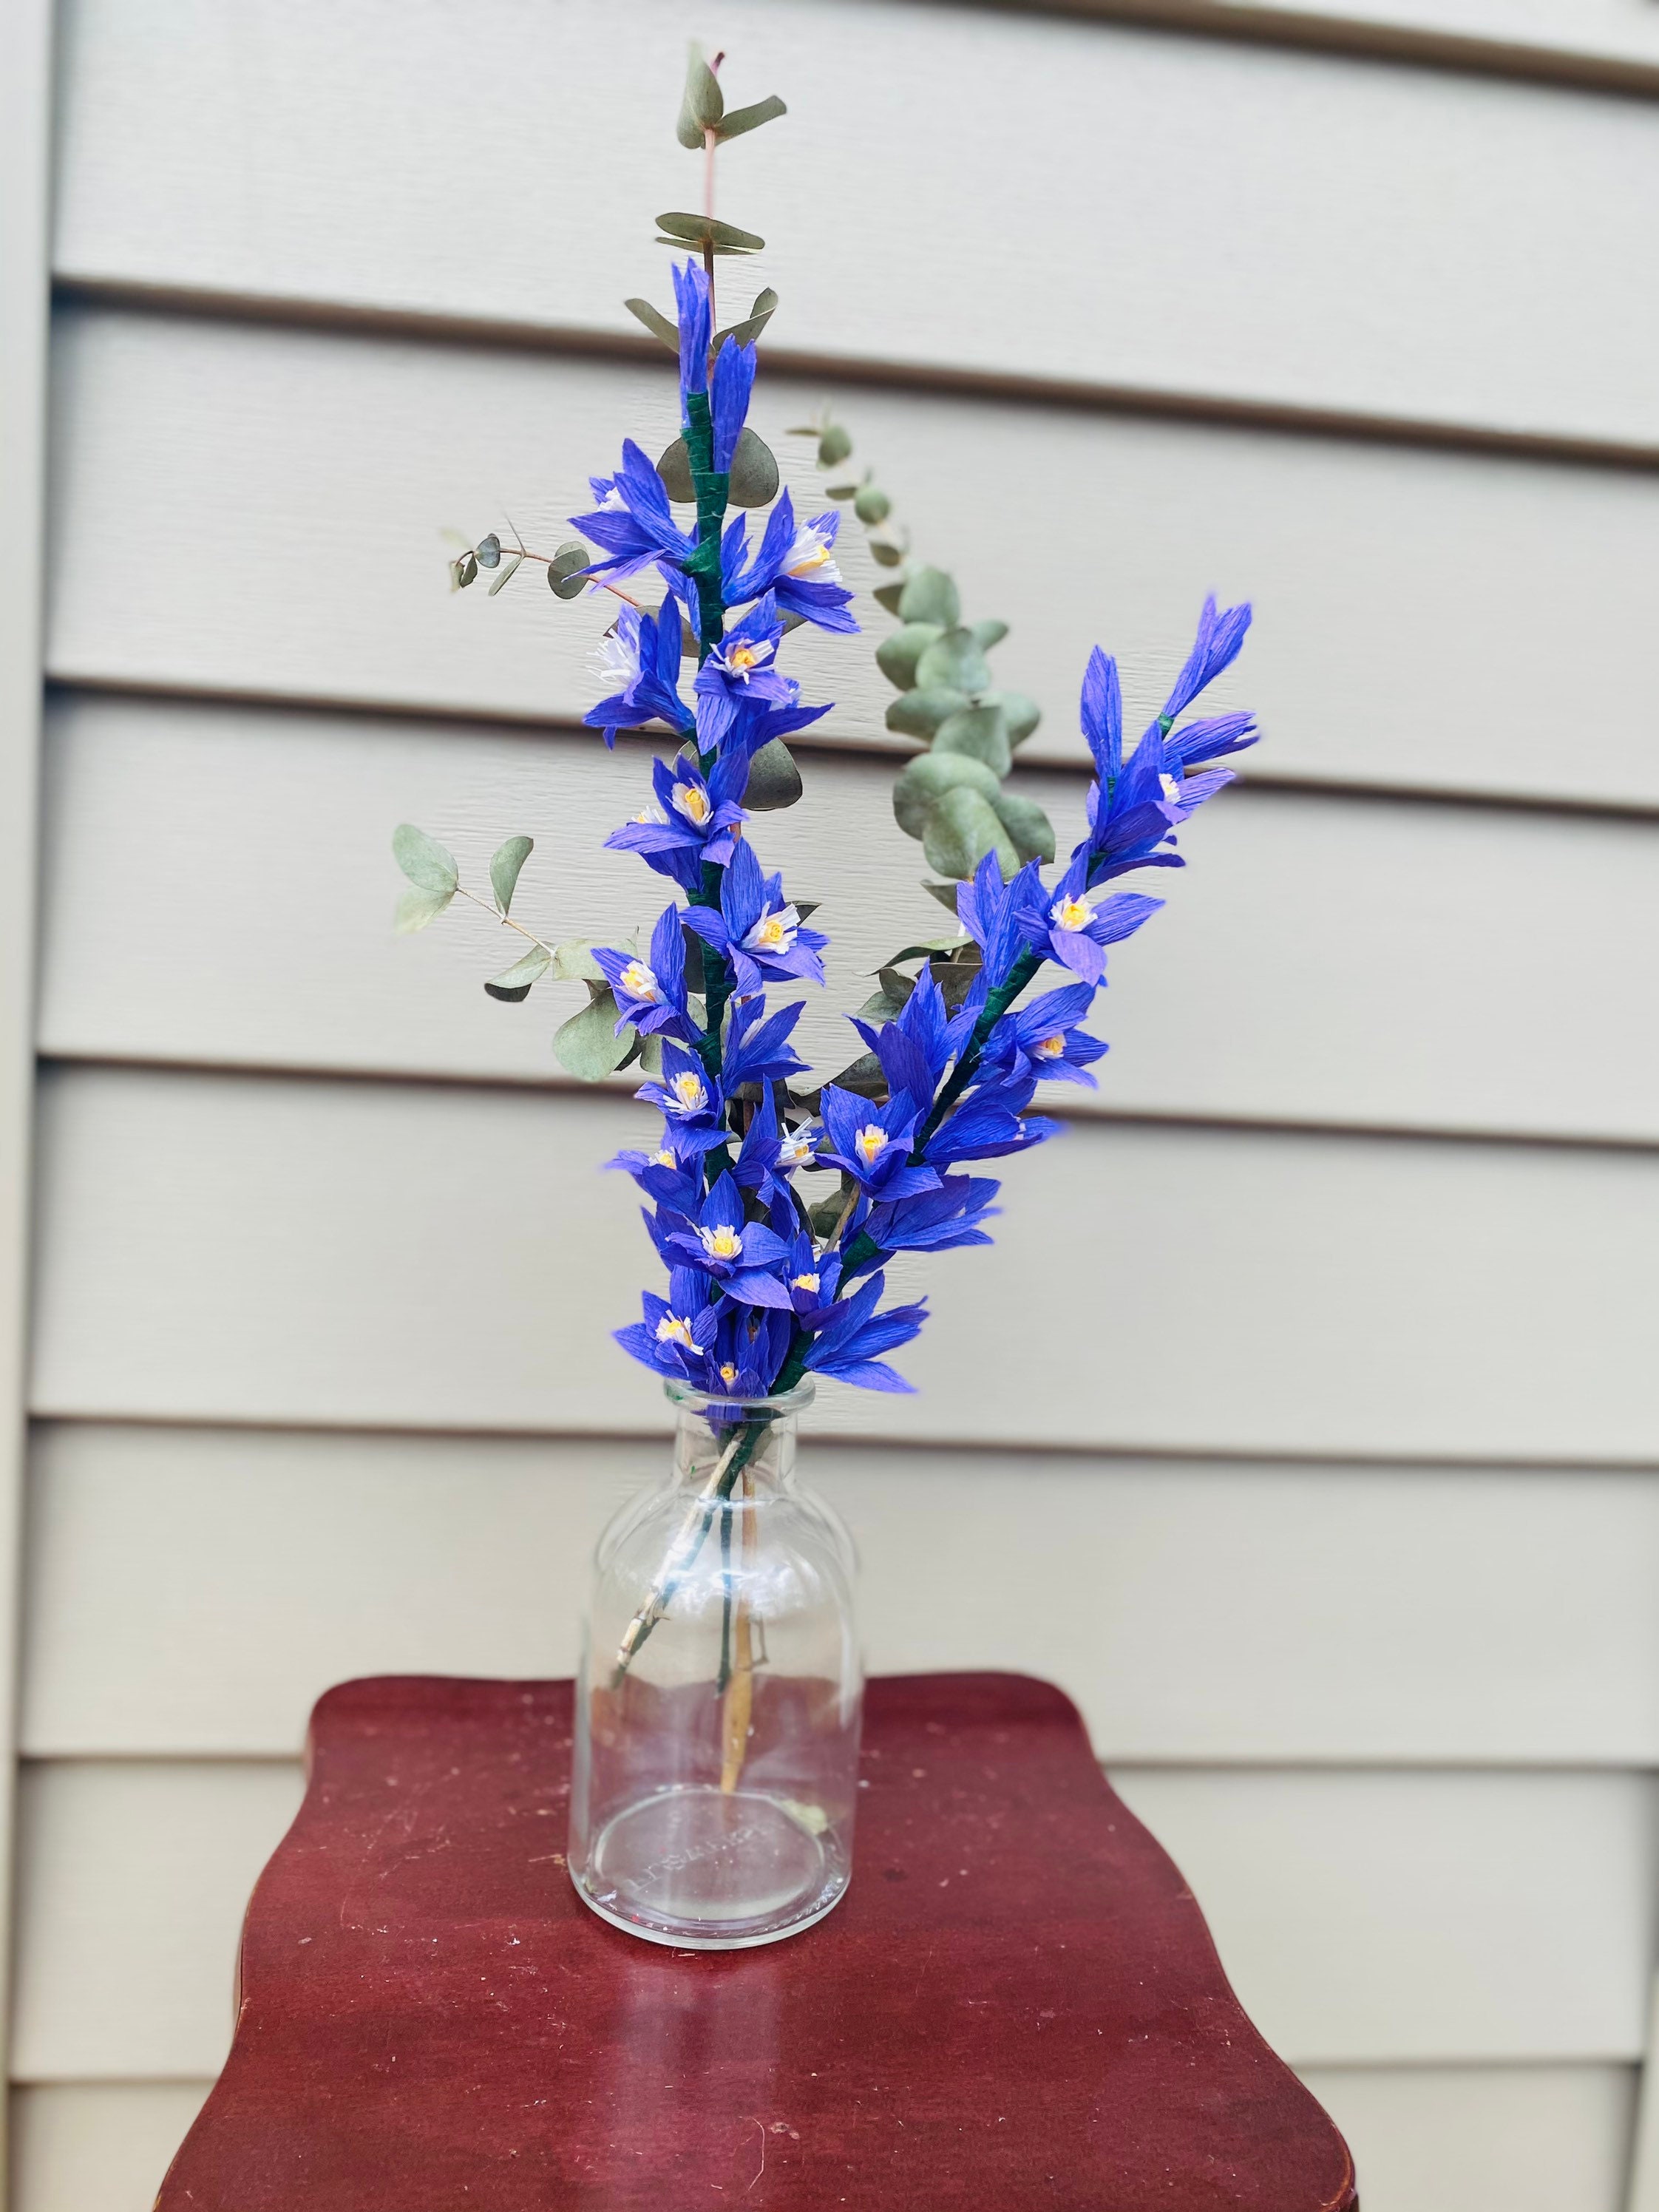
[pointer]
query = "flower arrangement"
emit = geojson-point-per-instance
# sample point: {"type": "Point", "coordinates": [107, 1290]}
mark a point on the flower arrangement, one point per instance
{"type": "Point", "coordinates": [768, 1284]}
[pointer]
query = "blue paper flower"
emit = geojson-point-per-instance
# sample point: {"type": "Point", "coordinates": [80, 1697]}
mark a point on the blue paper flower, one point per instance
{"type": "Point", "coordinates": [633, 521]}
{"type": "Point", "coordinates": [742, 1256]}
{"type": "Point", "coordinates": [853, 1334]}
{"type": "Point", "coordinates": [695, 315]}
{"type": "Point", "coordinates": [689, 1102]}
{"type": "Point", "coordinates": [1042, 1040]}
{"type": "Point", "coordinates": [692, 821]}
{"type": "Point", "coordinates": [650, 993]}
{"type": "Point", "coordinates": [795, 562]}
{"type": "Point", "coordinates": [1220, 636]}
{"type": "Point", "coordinates": [872, 1143]}
{"type": "Point", "coordinates": [741, 670]}
{"type": "Point", "coordinates": [1070, 930]}
{"type": "Point", "coordinates": [756, 927]}
{"type": "Point", "coordinates": [640, 655]}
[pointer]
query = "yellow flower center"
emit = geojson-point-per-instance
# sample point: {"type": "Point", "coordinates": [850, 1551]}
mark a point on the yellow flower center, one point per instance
{"type": "Point", "coordinates": [814, 557]}
{"type": "Point", "coordinates": [671, 1329]}
{"type": "Point", "coordinates": [689, 1089]}
{"type": "Point", "coordinates": [1070, 914]}
{"type": "Point", "coordinates": [639, 982]}
{"type": "Point", "coordinates": [1051, 1047]}
{"type": "Point", "coordinates": [664, 1160]}
{"type": "Point", "coordinates": [742, 657]}
{"type": "Point", "coordinates": [721, 1243]}
{"type": "Point", "coordinates": [694, 802]}
{"type": "Point", "coordinates": [773, 932]}
{"type": "Point", "coordinates": [728, 1374]}
{"type": "Point", "coordinates": [870, 1143]}
{"type": "Point", "coordinates": [808, 1282]}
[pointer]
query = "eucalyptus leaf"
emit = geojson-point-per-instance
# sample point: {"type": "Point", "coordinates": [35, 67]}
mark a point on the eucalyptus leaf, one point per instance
{"type": "Point", "coordinates": [982, 732]}
{"type": "Point", "coordinates": [988, 633]}
{"type": "Point", "coordinates": [885, 552]}
{"type": "Point", "coordinates": [899, 656]}
{"type": "Point", "coordinates": [487, 551]}
{"type": "Point", "coordinates": [703, 231]}
{"type": "Point", "coordinates": [513, 983]}
{"type": "Point", "coordinates": [745, 333]}
{"type": "Point", "coordinates": [842, 491]}
{"type": "Point", "coordinates": [896, 986]}
{"type": "Point", "coordinates": [417, 908]}
{"type": "Point", "coordinates": [751, 118]}
{"type": "Point", "coordinates": [945, 893]}
{"type": "Point", "coordinates": [650, 1054]}
{"type": "Point", "coordinates": [429, 866]}
{"type": "Point", "coordinates": [870, 504]}
{"type": "Point", "coordinates": [656, 322]}
{"type": "Point", "coordinates": [465, 571]}
{"type": "Point", "coordinates": [919, 714]}
{"type": "Point", "coordinates": [564, 574]}
{"type": "Point", "coordinates": [864, 1075]}
{"type": "Point", "coordinates": [674, 467]}
{"type": "Point", "coordinates": [887, 596]}
{"type": "Point", "coordinates": [826, 1214]}
{"type": "Point", "coordinates": [961, 830]}
{"type": "Point", "coordinates": [587, 1044]}
{"type": "Point", "coordinates": [774, 778]}
{"type": "Point", "coordinates": [704, 104]}
{"type": "Point", "coordinates": [926, 781]}
{"type": "Point", "coordinates": [507, 573]}
{"type": "Point", "coordinates": [1028, 826]}
{"type": "Point", "coordinates": [504, 867]}
{"type": "Point", "coordinates": [954, 659]}
{"type": "Point", "coordinates": [1021, 714]}
{"type": "Point", "coordinates": [930, 596]}
{"type": "Point", "coordinates": [574, 962]}
{"type": "Point", "coordinates": [754, 478]}
{"type": "Point", "coordinates": [835, 444]}
{"type": "Point", "coordinates": [955, 980]}
{"type": "Point", "coordinates": [878, 1007]}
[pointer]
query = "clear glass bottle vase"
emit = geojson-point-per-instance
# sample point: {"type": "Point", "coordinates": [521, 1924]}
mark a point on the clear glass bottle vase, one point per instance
{"type": "Point", "coordinates": [715, 1776]}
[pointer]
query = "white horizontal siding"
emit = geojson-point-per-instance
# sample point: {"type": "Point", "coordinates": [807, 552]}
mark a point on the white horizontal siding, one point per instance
{"type": "Point", "coordinates": [1273, 227]}
{"type": "Point", "coordinates": [235, 508]}
{"type": "Point", "coordinates": [236, 1248]}
{"type": "Point", "coordinates": [193, 1590]}
{"type": "Point", "coordinates": [1452, 2139]}
{"type": "Point", "coordinates": [1528, 2138]}
{"type": "Point", "coordinates": [1322, 960]}
{"type": "Point", "coordinates": [96, 2145]}
{"type": "Point", "coordinates": [1382, 1917]}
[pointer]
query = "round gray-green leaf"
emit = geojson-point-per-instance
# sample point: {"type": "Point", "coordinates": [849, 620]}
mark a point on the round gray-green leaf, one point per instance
{"type": "Point", "coordinates": [513, 984]}
{"type": "Point", "coordinates": [574, 962]}
{"type": "Point", "coordinates": [956, 661]}
{"type": "Point", "coordinates": [774, 778]}
{"type": "Point", "coordinates": [504, 867]}
{"type": "Point", "coordinates": [703, 230]}
{"type": "Point", "coordinates": [870, 504]}
{"type": "Point", "coordinates": [417, 908]}
{"type": "Point", "coordinates": [898, 656]}
{"type": "Point", "coordinates": [833, 445]}
{"type": "Point", "coordinates": [930, 596]}
{"type": "Point", "coordinates": [674, 467]}
{"type": "Point", "coordinates": [885, 552]}
{"type": "Point", "coordinates": [988, 633]}
{"type": "Point", "coordinates": [564, 574]}
{"type": "Point", "coordinates": [428, 864]}
{"type": "Point", "coordinates": [887, 596]}
{"type": "Point", "coordinates": [587, 1044]}
{"type": "Point", "coordinates": [488, 551]}
{"type": "Point", "coordinates": [1022, 714]}
{"type": "Point", "coordinates": [1029, 827]}
{"type": "Point", "coordinates": [754, 480]}
{"type": "Point", "coordinates": [926, 781]}
{"type": "Point", "coordinates": [919, 714]}
{"type": "Point", "coordinates": [979, 732]}
{"type": "Point", "coordinates": [961, 830]}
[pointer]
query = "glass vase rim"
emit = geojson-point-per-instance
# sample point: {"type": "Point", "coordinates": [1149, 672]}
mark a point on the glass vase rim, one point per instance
{"type": "Point", "coordinates": [724, 1412]}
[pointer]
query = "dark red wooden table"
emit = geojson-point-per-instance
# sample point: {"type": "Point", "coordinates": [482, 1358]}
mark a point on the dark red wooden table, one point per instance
{"type": "Point", "coordinates": [1018, 2004]}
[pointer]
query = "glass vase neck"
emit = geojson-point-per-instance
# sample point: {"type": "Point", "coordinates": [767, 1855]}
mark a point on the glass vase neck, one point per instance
{"type": "Point", "coordinates": [726, 1447]}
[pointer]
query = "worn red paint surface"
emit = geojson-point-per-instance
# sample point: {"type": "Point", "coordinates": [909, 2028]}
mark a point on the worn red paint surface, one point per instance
{"type": "Point", "coordinates": [1017, 2005]}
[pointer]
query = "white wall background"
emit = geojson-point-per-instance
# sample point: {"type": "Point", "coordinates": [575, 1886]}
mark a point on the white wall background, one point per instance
{"type": "Point", "coordinates": [1305, 1422]}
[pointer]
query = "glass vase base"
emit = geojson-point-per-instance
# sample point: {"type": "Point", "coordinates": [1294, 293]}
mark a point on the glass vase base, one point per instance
{"type": "Point", "coordinates": [705, 1869]}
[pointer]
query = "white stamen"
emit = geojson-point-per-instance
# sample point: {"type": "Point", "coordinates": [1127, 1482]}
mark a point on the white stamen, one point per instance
{"type": "Point", "coordinates": [808, 1282]}
{"type": "Point", "coordinates": [1073, 913]}
{"type": "Point", "coordinates": [1050, 1048]}
{"type": "Point", "coordinates": [810, 555]}
{"type": "Point", "coordinates": [694, 802]}
{"type": "Point", "coordinates": [689, 1089]}
{"type": "Point", "coordinates": [639, 982]}
{"type": "Point", "coordinates": [775, 932]}
{"type": "Point", "coordinates": [671, 1329]}
{"type": "Point", "coordinates": [721, 1243]}
{"type": "Point", "coordinates": [870, 1143]}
